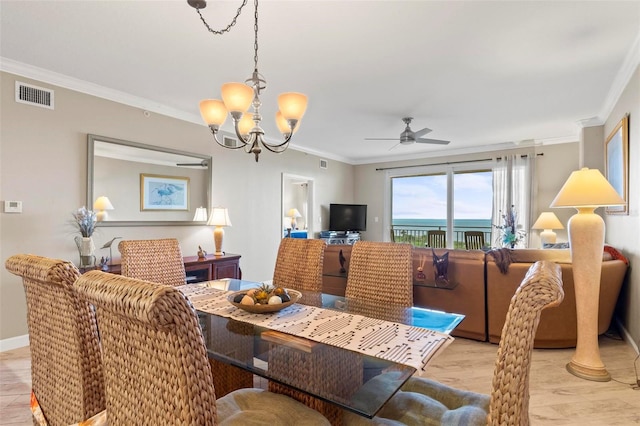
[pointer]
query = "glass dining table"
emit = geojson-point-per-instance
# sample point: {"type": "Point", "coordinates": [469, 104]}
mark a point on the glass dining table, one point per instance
{"type": "Point", "coordinates": [274, 346]}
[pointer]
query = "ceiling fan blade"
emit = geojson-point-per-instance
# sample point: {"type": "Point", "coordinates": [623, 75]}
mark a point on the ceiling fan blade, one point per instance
{"type": "Point", "coordinates": [380, 139]}
{"type": "Point", "coordinates": [433, 141]}
{"type": "Point", "coordinates": [396, 145]}
{"type": "Point", "coordinates": [203, 163]}
{"type": "Point", "coordinates": [422, 132]}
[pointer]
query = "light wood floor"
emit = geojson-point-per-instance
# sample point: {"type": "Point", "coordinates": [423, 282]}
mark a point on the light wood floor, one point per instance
{"type": "Point", "coordinates": [557, 397]}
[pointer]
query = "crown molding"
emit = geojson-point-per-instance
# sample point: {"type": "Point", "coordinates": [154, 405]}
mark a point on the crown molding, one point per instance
{"type": "Point", "coordinates": [620, 82]}
{"type": "Point", "coordinates": [64, 81]}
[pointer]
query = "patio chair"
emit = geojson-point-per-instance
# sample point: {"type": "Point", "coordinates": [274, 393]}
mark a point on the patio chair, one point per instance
{"type": "Point", "coordinates": [66, 365]}
{"type": "Point", "coordinates": [437, 239]}
{"type": "Point", "coordinates": [474, 240]}
{"type": "Point", "coordinates": [155, 362]}
{"type": "Point", "coordinates": [159, 260]}
{"type": "Point", "coordinates": [422, 401]}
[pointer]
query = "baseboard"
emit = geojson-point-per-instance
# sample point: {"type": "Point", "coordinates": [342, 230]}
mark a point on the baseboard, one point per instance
{"type": "Point", "coordinates": [14, 343]}
{"type": "Point", "coordinates": [627, 336]}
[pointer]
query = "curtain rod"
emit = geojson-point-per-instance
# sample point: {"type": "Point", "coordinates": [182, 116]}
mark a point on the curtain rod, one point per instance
{"type": "Point", "coordinates": [449, 162]}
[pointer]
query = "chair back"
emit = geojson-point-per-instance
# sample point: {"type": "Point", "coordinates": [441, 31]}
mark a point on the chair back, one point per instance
{"type": "Point", "coordinates": [540, 289]}
{"type": "Point", "coordinates": [155, 362]}
{"type": "Point", "coordinates": [379, 272]}
{"type": "Point", "coordinates": [299, 264]}
{"type": "Point", "coordinates": [474, 240]}
{"type": "Point", "coordinates": [159, 261]}
{"type": "Point", "coordinates": [437, 239]}
{"type": "Point", "coordinates": [66, 370]}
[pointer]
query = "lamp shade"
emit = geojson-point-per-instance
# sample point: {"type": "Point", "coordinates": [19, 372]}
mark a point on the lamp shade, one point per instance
{"type": "Point", "coordinates": [102, 203]}
{"type": "Point", "coordinates": [213, 111]}
{"type": "Point", "coordinates": [237, 97]}
{"type": "Point", "coordinates": [293, 105]}
{"type": "Point", "coordinates": [219, 217]}
{"type": "Point", "coordinates": [587, 188]}
{"type": "Point", "coordinates": [283, 124]}
{"type": "Point", "coordinates": [201, 214]}
{"type": "Point", "coordinates": [245, 124]}
{"type": "Point", "coordinates": [547, 220]}
{"type": "Point", "coordinates": [287, 222]}
{"type": "Point", "coordinates": [293, 213]}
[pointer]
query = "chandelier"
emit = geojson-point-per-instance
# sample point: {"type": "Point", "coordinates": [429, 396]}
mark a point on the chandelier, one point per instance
{"type": "Point", "coordinates": [238, 97]}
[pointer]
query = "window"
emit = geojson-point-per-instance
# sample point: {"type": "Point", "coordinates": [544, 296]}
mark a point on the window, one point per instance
{"type": "Point", "coordinates": [457, 198]}
{"type": "Point", "coordinates": [423, 203]}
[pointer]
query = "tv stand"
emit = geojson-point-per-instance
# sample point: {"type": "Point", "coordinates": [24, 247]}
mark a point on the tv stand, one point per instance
{"type": "Point", "coordinates": [340, 237]}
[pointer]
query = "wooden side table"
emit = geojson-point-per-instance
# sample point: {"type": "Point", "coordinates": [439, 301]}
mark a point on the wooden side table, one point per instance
{"type": "Point", "coordinates": [211, 267]}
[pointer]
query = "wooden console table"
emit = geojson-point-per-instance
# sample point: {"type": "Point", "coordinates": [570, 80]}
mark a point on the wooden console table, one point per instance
{"type": "Point", "coordinates": [210, 268]}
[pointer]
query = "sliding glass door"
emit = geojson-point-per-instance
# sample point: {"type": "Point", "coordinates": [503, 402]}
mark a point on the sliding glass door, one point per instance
{"type": "Point", "coordinates": [451, 201]}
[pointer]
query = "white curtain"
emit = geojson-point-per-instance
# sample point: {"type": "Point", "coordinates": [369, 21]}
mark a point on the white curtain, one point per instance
{"type": "Point", "coordinates": [512, 186]}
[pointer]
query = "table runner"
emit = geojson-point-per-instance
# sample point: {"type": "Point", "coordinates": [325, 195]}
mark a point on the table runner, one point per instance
{"type": "Point", "coordinates": [401, 343]}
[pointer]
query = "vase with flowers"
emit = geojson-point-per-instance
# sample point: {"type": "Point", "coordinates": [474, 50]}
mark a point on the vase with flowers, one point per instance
{"type": "Point", "coordinates": [510, 235]}
{"type": "Point", "coordinates": [86, 223]}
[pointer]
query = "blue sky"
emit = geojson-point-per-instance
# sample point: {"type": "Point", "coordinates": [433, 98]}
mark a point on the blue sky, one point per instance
{"type": "Point", "coordinates": [425, 197]}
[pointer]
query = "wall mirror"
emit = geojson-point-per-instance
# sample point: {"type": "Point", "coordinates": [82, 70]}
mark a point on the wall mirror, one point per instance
{"type": "Point", "coordinates": [147, 185]}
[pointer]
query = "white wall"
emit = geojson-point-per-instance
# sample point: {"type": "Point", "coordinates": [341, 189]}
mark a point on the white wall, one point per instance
{"type": "Point", "coordinates": [623, 231]}
{"type": "Point", "coordinates": [43, 164]}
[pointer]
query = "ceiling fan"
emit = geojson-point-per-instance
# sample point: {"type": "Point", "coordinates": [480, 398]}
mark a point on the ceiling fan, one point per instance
{"type": "Point", "coordinates": [409, 136]}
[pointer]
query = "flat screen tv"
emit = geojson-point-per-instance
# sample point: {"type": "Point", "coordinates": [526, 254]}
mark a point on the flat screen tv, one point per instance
{"type": "Point", "coordinates": [348, 217]}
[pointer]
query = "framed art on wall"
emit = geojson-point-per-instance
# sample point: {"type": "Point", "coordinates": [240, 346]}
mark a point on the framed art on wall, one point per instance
{"type": "Point", "coordinates": [159, 192]}
{"type": "Point", "coordinates": [616, 161]}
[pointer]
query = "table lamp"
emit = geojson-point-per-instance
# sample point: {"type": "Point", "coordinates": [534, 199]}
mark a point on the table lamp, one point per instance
{"type": "Point", "coordinates": [201, 214]}
{"type": "Point", "coordinates": [585, 190]}
{"type": "Point", "coordinates": [294, 214]}
{"type": "Point", "coordinates": [101, 205]}
{"type": "Point", "coordinates": [547, 221]}
{"type": "Point", "coordinates": [219, 218]}
{"type": "Point", "coordinates": [287, 225]}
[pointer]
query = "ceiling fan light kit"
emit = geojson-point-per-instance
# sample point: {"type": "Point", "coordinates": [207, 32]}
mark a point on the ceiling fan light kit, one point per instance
{"type": "Point", "coordinates": [237, 98]}
{"type": "Point", "coordinates": [408, 136]}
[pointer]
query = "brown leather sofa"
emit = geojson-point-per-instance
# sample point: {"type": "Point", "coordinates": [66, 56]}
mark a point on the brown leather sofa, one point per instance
{"type": "Point", "coordinates": [463, 295]}
{"type": "Point", "coordinates": [558, 326]}
{"type": "Point", "coordinates": [482, 293]}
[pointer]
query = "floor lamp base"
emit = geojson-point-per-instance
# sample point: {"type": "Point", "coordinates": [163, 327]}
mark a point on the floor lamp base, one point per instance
{"type": "Point", "coordinates": [589, 373]}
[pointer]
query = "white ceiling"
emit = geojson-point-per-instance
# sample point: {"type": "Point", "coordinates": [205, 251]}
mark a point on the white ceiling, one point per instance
{"type": "Point", "coordinates": [478, 73]}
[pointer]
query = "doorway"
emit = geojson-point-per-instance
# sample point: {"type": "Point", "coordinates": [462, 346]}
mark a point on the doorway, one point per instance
{"type": "Point", "coordinates": [298, 194]}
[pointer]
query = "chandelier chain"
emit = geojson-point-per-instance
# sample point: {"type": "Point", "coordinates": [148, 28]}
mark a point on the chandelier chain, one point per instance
{"type": "Point", "coordinates": [255, 30]}
{"type": "Point", "coordinates": [228, 28]}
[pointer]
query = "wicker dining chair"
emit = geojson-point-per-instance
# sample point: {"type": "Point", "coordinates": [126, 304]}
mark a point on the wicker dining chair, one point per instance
{"type": "Point", "coordinates": [437, 239]}
{"type": "Point", "coordinates": [380, 272]}
{"type": "Point", "coordinates": [422, 401]}
{"type": "Point", "coordinates": [474, 240]}
{"type": "Point", "coordinates": [159, 260]}
{"type": "Point", "coordinates": [155, 362]}
{"type": "Point", "coordinates": [299, 266]}
{"type": "Point", "coordinates": [66, 366]}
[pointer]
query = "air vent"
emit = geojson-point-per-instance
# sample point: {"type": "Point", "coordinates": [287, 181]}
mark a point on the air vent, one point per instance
{"type": "Point", "coordinates": [34, 95]}
{"type": "Point", "coordinates": [229, 142]}
{"type": "Point", "coordinates": [323, 164]}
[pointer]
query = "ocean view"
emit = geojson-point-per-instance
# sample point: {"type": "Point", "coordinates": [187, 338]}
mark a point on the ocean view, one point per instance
{"type": "Point", "coordinates": [459, 225]}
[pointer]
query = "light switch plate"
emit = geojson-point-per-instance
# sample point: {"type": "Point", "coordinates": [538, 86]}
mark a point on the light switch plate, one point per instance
{"type": "Point", "coordinates": [13, 206]}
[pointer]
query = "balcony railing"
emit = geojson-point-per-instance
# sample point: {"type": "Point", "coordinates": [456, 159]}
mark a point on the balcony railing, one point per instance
{"type": "Point", "coordinates": [417, 235]}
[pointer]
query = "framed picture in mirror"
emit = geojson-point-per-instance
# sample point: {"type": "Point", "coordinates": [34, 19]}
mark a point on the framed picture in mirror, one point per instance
{"type": "Point", "coordinates": [159, 192]}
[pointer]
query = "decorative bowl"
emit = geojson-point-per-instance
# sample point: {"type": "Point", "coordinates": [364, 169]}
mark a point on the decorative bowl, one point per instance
{"type": "Point", "coordinates": [263, 309]}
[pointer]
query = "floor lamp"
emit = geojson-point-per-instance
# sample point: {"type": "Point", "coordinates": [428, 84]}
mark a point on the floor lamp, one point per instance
{"type": "Point", "coordinates": [587, 189]}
